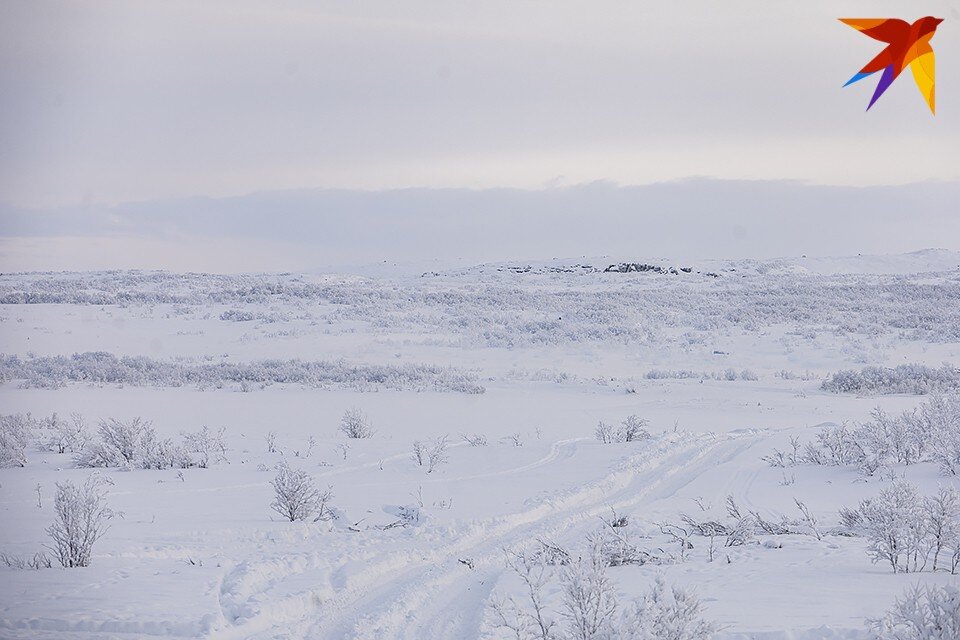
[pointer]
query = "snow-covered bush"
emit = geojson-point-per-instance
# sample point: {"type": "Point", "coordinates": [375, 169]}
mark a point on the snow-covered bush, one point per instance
{"type": "Point", "coordinates": [474, 440]}
{"type": "Point", "coordinates": [105, 368]}
{"type": "Point", "coordinates": [895, 526]}
{"type": "Point", "coordinates": [354, 424]}
{"type": "Point", "coordinates": [837, 445]}
{"type": "Point", "coordinates": [939, 421]}
{"type": "Point", "coordinates": [62, 436]}
{"type": "Point", "coordinates": [666, 613]}
{"type": "Point", "coordinates": [135, 444]}
{"type": "Point", "coordinates": [536, 622]}
{"type": "Point", "coordinates": [942, 515]}
{"type": "Point", "coordinates": [118, 443]}
{"type": "Point", "coordinates": [589, 600]}
{"type": "Point", "coordinates": [206, 446]}
{"type": "Point", "coordinates": [502, 314]}
{"type": "Point", "coordinates": [605, 433]}
{"type": "Point", "coordinates": [35, 562]}
{"type": "Point", "coordinates": [437, 454]}
{"type": "Point", "coordinates": [161, 453]}
{"type": "Point", "coordinates": [297, 497]}
{"type": "Point", "coordinates": [81, 520]}
{"type": "Point", "coordinates": [906, 378]}
{"type": "Point", "coordinates": [930, 433]}
{"type": "Point", "coordinates": [588, 608]}
{"type": "Point", "coordinates": [632, 428]}
{"type": "Point", "coordinates": [123, 443]}
{"type": "Point", "coordinates": [922, 613]}
{"type": "Point", "coordinates": [15, 433]}
{"type": "Point", "coordinates": [419, 454]}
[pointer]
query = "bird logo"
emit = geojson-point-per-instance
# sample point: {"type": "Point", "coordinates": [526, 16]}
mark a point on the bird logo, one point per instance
{"type": "Point", "coordinates": [907, 44]}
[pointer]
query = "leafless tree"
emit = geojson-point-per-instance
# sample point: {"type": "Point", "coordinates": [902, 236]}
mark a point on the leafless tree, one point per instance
{"type": "Point", "coordinates": [354, 424]}
{"type": "Point", "coordinates": [81, 520]}
{"type": "Point", "coordinates": [296, 496]}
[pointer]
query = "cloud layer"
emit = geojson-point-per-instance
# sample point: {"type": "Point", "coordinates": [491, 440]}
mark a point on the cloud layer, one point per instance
{"type": "Point", "coordinates": [109, 101]}
{"type": "Point", "coordinates": [333, 229]}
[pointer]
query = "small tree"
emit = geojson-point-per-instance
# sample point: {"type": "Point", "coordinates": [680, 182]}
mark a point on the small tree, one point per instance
{"type": "Point", "coordinates": [667, 613]}
{"type": "Point", "coordinates": [296, 496]}
{"type": "Point", "coordinates": [419, 454]}
{"type": "Point", "coordinates": [931, 613]}
{"type": "Point", "coordinates": [82, 515]}
{"type": "Point", "coordinates": [634, 428]}
{"type": "Point", "coordinates": [589, 602]}
{"type": "Point", "coordinates": [15, 432]}
{"type": "Point", "coordinates": [65, 435]}
{"type": "Point", "coordinates": [606, 433]}
{"type": "Point", "coordinates": [895, 524]}
{"type": "Point", "coordinates": [118, 443]}
{"type": "Point", "coordinates": [437, 454]}
{"type": "Point", "coordinates": [942, 512]}
{"type": "Point", "coordinates": [208, 446]}
{"type": "Point", "coordinates": [537, 622]}
{"type": "Point", "coordinates": [354, 424]}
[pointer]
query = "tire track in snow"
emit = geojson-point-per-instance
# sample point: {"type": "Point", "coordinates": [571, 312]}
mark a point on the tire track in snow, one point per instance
{"type": "Point", "coordinates": [421, 610]}
{"type": "Point", "coordinates": [407, 595]}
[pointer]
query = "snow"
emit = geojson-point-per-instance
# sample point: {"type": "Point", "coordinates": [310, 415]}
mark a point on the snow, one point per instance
{"type": "Point", "coordinates": [199, 553]}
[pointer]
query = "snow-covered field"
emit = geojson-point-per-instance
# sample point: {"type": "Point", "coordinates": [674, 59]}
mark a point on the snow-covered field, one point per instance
{"type": "Point", "coordinates": [724, 360]}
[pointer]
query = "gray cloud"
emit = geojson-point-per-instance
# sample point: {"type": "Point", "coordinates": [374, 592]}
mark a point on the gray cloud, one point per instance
{"type": "Point", "coordinates": [112, 101]}
{"type": "Point", "coordinates": [310, 229]}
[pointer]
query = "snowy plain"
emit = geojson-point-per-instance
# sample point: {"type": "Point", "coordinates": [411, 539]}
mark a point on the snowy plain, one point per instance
{"type": "Point", "coordinates": [724, 359]}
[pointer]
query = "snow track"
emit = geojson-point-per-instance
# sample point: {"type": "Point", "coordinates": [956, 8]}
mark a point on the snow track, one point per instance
{"type": "Point", "coordinates": [429, 592]}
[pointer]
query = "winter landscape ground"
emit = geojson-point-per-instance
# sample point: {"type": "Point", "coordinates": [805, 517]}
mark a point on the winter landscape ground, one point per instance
{"type": "Point", "coordinates": [776, 439]}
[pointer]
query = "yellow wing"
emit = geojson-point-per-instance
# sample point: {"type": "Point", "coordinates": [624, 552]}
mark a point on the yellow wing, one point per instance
{"type": "Point", "coordinates": [924, 74]}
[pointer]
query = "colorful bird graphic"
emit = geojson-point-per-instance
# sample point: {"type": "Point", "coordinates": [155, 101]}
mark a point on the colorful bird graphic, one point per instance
{"type": "Point", "coordinates": [907, 44]}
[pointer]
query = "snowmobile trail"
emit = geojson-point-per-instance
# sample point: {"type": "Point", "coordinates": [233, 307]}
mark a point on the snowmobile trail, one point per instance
{"type": "Point", "coordinates": [441, 590]}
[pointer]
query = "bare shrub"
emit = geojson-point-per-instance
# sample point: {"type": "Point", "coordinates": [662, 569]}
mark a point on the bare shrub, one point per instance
{"type": "Point", "coordinates": [632, 428]}
{"type": "Point", "coordinates": [81, 520]}
{"type": "Point", "coordinates": [939, 419]}
{"type": "Point", "coordinates": [667, 613]}
{"type": "Point", "coordinates": [605, 433]}
{"type": "Point", "coordinates": [208, 447]}
{"type": "Point", "coordinates": [15, 433]}
{"type": "Point", "coordinates": [615, 543]}
{"type": "Point", "coordinates": [549, 553]}
{"type": "Point", "coordinates": [535, 622]}
{"type": "Point", "coordinates": [35, 562]}
{"type": "Point", "coordinates": [419, 454]}
{"type": "Point", "coordinates": [809, 519]}
{"type": "Point", "coordinates": [161, 453]}
{"type": "Point", "coordinates": [354, 424]}
{"type": "Point", "coordinates": [894, 525]}
{"type": "Point", "coordinates": [588, 597]}
{"type": "Point", "coordinates": [117, 445]}
{"type": "Point", "coordinates": [62, 435]}
{"type": "Point", "coordinates": [437, 454]}
{"type": "Point", "coordinates": [922, 613]}
{"type": "Point", "coordinates": [942, 513]}
{"type": "Point", "coordinates": [475, 440]}
{"type": "Point", "coordinates": [514, 438]}
{"type": "Point", "coordinates": [930, 433]}
{"type": "Point", "coordinates": [296, 496]}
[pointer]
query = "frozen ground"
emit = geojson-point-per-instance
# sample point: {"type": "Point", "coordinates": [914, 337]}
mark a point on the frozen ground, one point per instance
{"type": "Point", "coordinates": [556, 347]}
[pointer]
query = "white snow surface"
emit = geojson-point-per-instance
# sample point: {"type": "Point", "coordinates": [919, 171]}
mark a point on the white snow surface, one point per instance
{"type": "Point", "coordinates": [557, 348]}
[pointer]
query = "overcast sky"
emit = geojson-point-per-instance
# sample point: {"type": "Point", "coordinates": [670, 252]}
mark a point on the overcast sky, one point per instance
{"type": "Point", "coordinates": [107, 103]}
